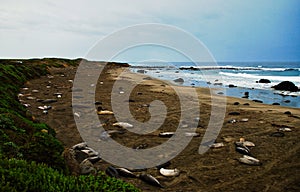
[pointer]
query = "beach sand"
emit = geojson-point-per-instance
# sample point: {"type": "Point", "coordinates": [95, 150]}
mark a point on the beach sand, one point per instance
{"type": "Point", "coordinates": [216, 170]}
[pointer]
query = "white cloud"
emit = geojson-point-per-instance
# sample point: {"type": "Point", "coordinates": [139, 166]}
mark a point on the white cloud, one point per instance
{"type": "Point", "coordinates": [67, 28]}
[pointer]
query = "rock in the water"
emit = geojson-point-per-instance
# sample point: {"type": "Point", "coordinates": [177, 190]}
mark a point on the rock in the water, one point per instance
{"type": "Point", "coordinates": [286, 86]}
{"type": "Point", "coordinates": [231, 86]}
{"type": "Point", "coordinates": [257, 101]}
{"type": "Point", "coordinates": [140, 71]}
{"type": "Point", "coordinates": [264, 81]}
{"type": "Point", "coordinates": [218, 84]}
{"type": "Point", "coordinates": [179, 80]}
{"type": "Point", "coordinates": [276, 104]}
{"type": "Point", "coordinates": [287, 101]}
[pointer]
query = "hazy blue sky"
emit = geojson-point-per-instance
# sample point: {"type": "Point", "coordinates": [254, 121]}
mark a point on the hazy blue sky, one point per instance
{"type": "Point", "coordinates": [233, 30]}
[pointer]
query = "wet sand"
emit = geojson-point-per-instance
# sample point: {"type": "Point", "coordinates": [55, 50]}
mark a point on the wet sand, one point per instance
{"type": "Point", "coordinates": [215, 170]}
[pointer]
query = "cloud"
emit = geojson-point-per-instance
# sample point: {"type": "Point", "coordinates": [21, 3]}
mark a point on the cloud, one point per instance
{"type": "Point", "coordinates": [69, 28]}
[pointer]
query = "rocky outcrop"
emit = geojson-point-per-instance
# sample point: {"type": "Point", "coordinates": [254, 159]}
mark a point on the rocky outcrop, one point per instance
{"type": "Point", "coordinates": [286, 86]}
{"type": "Point", "coordinates": [179, 80]}
{"type": "Point", "coordinates": [264, 81]}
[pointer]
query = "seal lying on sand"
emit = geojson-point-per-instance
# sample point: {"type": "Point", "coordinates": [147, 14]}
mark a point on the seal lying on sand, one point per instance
{"type": "Point", "coordinates": [150, 179]}
{"type": "Point", "coordinates": [169, 172]}
{"type": "Point", "coordinates": [125, 173]}
{"type": "Point", "coordinates": [249, 160]}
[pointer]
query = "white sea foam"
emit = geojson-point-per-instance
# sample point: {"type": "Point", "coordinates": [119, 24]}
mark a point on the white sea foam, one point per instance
{"type": "Point", "coordinates": [294, 79]}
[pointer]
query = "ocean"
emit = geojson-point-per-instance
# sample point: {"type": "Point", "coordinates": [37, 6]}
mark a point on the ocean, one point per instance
{"type": "Point", "coordinates": [243, 75]}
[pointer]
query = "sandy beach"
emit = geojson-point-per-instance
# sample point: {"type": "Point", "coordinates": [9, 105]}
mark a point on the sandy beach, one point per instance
{"type": "Point", "coordinates": [216, 170]}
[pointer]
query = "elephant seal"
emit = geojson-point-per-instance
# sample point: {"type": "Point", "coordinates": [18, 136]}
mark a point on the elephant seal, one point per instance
{"type": "Point", "coordinates": [150, 179]}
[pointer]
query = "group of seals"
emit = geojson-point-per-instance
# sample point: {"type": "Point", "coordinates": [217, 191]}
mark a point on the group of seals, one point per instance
{"type": "Point", "coordinates": [242, 147]}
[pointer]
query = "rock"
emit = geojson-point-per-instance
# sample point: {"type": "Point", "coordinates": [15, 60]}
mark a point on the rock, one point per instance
{"type": "Point", "coordinates": [246, 104]}
{"type": "Point", "coordinates": [147, 78]}
{"type": "Point", "coordinates": [264, 81]}
{"type": "Point", "coordinates": [231, 86]}
{"type": "Point", "coordinates": [220, 93]}
{"type": "Point", "coordinates": [140, 71]}
{"type": "Point", "coordinates": [234, 113]}
{"type": "Point", "coordinates": [287, 101]}
{"type": "Point", "coordinates": [246, 93]}
{"type": "Point", "coordinates": [179, 80]}
{"type": "Point", "coordinates": [236, 103]}
{"type": "Point", "coordinates": [287, 113]}
{"type": "Point", "coordinates": [218, 84]}
{"type": "Point", "coordinates": [277, 134]}
{"type": "Point", "coordinates": [286, 86]}
{"type": "Point", "coordinates": [257, 101]}
{"type": "Point", "coordinates": [276, 104]}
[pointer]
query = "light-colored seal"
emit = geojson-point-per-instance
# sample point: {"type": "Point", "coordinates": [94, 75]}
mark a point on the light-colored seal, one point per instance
{"type": "Point", "coordinates": [249, 160]}
{"type": "Point", "coordinates": [169, 172]}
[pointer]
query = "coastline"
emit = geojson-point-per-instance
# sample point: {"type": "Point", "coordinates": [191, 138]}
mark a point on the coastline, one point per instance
{"type": "Point", "coordinates": [215, 170]}
{"type": "Point", "coordinates": [232, 83]}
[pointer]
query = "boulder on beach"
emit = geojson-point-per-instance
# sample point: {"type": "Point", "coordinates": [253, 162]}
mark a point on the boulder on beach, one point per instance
{"type": "Point", "coordinates": [264, 81]}
{"type": "Point", "coordinates": [286, 86]}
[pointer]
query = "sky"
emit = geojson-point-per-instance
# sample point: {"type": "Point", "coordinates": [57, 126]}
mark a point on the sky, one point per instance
{"type": "Point", "coordinates": [232, 30]}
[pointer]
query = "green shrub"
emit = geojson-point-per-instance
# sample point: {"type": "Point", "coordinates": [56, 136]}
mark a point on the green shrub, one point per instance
{"type": "Point", "coordinates": [19, 175]}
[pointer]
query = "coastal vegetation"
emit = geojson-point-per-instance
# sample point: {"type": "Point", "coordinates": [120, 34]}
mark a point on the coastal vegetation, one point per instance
{"type": "Point", "coordinates": [30, 154]}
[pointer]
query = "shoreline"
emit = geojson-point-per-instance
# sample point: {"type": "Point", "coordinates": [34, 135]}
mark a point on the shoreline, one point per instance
{"type": "Point", "coordinates": [215, 170]}
{"type": "Point", "coordinates": [267, 96]}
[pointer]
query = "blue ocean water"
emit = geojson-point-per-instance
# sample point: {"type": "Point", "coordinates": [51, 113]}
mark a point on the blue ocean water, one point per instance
{"type": "Point", "coordinates": [243, 75]}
